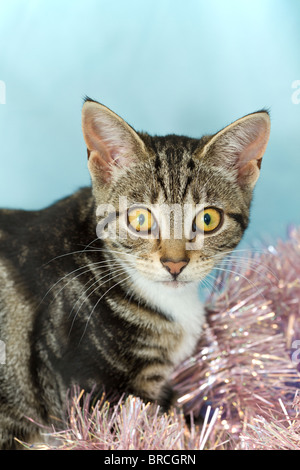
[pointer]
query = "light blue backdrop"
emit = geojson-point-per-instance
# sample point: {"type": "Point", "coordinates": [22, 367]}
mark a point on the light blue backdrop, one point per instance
{"type": "Point", "coordinates": [183, 66]}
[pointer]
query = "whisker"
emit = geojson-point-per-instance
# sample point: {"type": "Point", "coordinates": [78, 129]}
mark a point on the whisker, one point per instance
{"type": "Point", "coordinates": [89, 244]}
{"type": "Point", "coordinates": [90, 251]}
{"type": "Point", "coordinates": [208, 284]}
{"type": "Point", "coordinates": [236, 251]}
{"type": "Point", "coordinates": [88, 320]}
{"type": "Point", "coordinates": [120, 252]}
{"type": "Point", "coordinates": [241, 275]}
{"type": "Point", "coordinates": [85, 291]}
{"type": "Point", "coordinates": [249, 263]}
{"type": "Point", "coordinates": [247, 266]}
{"type": "Point", "coordinates": [104, 262]}
{"type": "Point", "coordinates": [120, 271]}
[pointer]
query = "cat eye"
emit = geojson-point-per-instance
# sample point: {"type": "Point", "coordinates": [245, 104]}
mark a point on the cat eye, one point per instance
{"type": "Point", "coordinates": [208, 220]}
{"type": "Point", "coordinates": [141, 220]}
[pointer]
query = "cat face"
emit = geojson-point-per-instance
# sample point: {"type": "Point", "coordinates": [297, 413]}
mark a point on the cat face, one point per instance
{"type": "Point", "coordinates": [177, 205]}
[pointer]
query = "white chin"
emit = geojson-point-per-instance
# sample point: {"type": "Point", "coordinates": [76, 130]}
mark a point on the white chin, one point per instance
{"type": "Point", "coordinates": [175, 284]}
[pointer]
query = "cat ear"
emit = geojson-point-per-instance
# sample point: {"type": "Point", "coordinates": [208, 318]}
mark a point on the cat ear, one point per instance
{"type": "Point", "coordinates": [240, 146]}
{"type": "Point", "coordinates": [110, 141]}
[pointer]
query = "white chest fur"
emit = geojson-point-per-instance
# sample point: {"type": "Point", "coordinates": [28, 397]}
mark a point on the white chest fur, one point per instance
{"type": "Point", "coordinates": [182, 304]}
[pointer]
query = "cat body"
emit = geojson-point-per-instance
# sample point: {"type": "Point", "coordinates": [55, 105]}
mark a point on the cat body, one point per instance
{"type": "Point", "coordinates": [112, 313]}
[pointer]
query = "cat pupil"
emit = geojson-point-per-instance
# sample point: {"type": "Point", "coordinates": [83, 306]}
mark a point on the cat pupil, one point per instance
{"type": "Point", "coordinates": [141, 219]}
{"type": "Point", "coordinates": [207, 219]}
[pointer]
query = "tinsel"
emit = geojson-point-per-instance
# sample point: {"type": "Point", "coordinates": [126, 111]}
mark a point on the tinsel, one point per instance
{"type": "Point", "coordinates": [244, 365]}
{"type": "Point", "coordinates": [243, 379]}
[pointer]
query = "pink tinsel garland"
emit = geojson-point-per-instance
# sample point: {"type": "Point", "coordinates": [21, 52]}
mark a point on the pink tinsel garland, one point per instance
{"type": "Point", "coordinates": [246, 362]}
{"type": "Point", "coordinates": [243, 378]}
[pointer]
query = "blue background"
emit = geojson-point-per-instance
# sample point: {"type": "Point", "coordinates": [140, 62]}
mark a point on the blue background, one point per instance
{"type": "Point", "coordinates": [166, 66]}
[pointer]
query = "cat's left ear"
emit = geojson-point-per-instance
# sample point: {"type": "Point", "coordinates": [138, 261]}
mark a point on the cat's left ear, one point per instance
{"type": "Point", "coordinates": [110, 141]}
{"type": "Point", "coordinates": [239, 147]}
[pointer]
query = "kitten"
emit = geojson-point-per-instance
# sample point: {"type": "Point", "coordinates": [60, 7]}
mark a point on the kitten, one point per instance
{"type": "Point", "coordinates": [119, 310]}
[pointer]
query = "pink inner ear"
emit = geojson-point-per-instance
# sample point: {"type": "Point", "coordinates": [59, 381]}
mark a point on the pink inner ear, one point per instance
{"type": "Point", "coordinates": [99, 165]}
{"type": "Point", "coordinates": [249, 173]}
{"type": "Point", "coordinates": [255, 150]}
{"type": "Point", "coordinates": [111, 144]}
{"type": "Point", "coordinates": [119, 157]}
{"type": "Point", "coordinates": [249, 140]}
{"type": "Point", "coordinates": [250, 158]}
{"type": "Point", "coordinates": [104, 153]}
{"type": "Point", "coordinates": [105, 156]}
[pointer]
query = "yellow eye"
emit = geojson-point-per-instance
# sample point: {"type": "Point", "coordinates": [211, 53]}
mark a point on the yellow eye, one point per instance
{"type": "Point", "coordinates": [208, 220]}
{"type": "Point", "coordinates": [141, 220]}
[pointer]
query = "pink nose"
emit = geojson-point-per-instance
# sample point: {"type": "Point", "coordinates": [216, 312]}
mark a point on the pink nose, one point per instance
{"type": "Point", "coordinates": [174, 267]}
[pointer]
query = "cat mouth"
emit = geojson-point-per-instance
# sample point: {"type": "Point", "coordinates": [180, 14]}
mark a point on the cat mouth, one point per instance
{"type": "Point", "coordinates": [175, 283]}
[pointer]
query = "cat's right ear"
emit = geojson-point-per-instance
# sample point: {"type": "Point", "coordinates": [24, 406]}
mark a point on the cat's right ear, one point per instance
{"type": "Point", "coordinates": [111, 143]}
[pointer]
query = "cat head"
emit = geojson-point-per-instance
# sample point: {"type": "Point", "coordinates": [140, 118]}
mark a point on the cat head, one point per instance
{"type": "Point", "coordinates": [177, 205]}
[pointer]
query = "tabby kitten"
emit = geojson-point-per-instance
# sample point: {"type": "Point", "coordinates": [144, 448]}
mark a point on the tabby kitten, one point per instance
{"type": "Point", "coordinates": [119, 310]}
